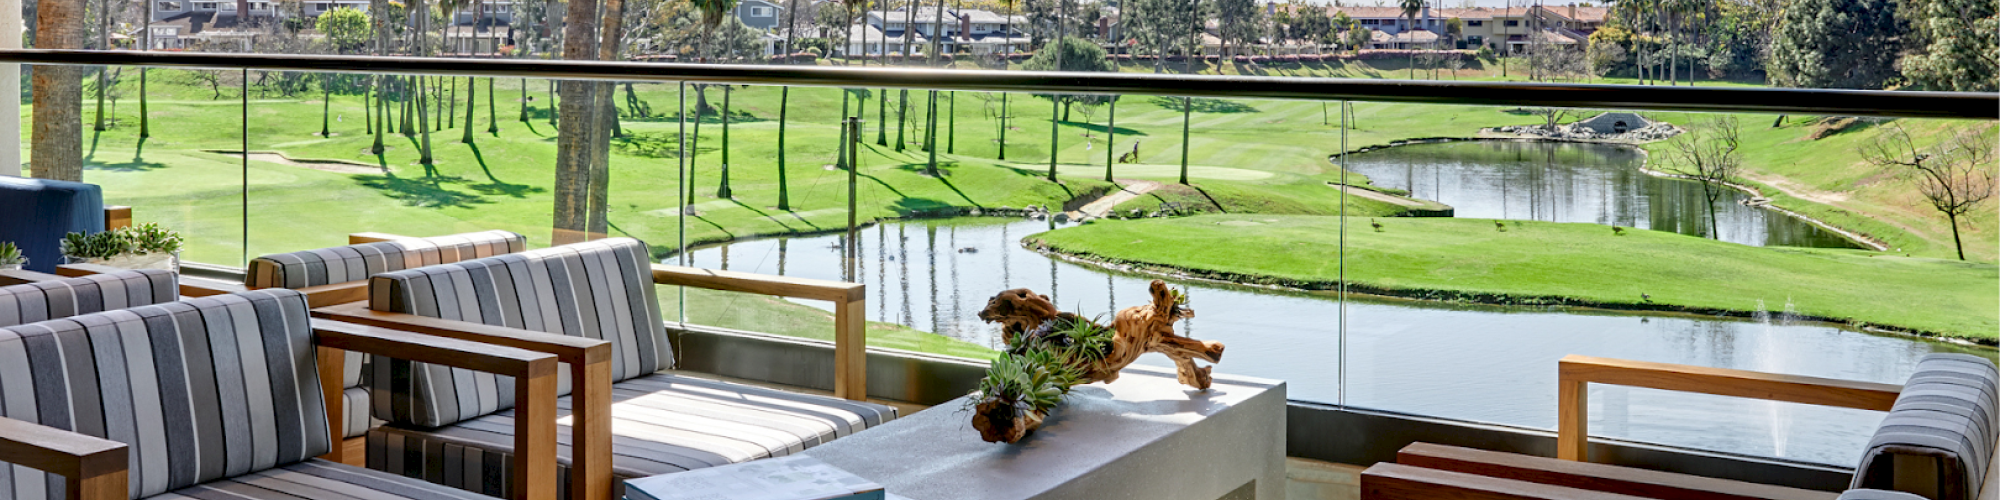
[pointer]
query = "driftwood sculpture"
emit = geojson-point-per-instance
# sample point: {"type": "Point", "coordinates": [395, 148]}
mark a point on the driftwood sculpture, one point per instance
{"type": "Point", "coordinates": [1050, 351]}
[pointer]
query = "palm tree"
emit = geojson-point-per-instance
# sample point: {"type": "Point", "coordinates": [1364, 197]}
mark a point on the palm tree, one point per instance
{"type": "Point", "coordinates": [145, 127]}
{"type": "Point", "coordinates": [712, 14]}
{"type": "Point", "coordinates": [1410, 10]}
{"type": "Point", "coordinates": [104, 43]}
{"type": "Point", "coordinates": [58, 93]}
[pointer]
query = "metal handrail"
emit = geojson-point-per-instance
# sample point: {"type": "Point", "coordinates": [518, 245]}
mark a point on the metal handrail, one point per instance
{"type": "Point", "coordinates": [1969, 105]}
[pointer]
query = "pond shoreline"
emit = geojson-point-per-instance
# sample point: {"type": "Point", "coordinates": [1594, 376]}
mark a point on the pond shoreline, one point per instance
{"type": "Point", "coordinates": [1452, 296]}
{"type": "Point", "coordinates": [1858, 238]}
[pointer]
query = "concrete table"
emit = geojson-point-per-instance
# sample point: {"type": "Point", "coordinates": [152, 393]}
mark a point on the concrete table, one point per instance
{"type": "Point", "coordinates": [1142, 437]}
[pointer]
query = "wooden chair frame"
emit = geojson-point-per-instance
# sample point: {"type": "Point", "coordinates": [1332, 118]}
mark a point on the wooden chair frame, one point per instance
{"type": "Point", "coordinates": [95, 469]}
{"type": "Point", "coordinates": [1577, 372]}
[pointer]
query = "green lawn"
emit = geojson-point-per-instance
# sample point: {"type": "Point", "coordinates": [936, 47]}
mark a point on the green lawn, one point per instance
{"type": "Point", "coordinates": [1550, 263]}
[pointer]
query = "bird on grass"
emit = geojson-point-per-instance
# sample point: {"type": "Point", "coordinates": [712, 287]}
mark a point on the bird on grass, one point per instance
{"type": "Point", "coordinates": [1377, 225]}
{"type": "Point", "coordinates": [1646, 297]}
{"type": "Point", "coordinates": [1617, 230]}
{"type": "Point", "coordinates": [1500, 226]}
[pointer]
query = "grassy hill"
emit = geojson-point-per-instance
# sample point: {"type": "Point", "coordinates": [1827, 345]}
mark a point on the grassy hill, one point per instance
{"type": "Point", "coordinates": [1552, 263]}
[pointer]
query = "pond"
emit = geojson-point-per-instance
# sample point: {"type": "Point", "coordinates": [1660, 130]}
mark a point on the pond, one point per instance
{"type": "Point", "coordinates": [1478, 363]}
{"type": "Point", "coordinates": [1576, 182]}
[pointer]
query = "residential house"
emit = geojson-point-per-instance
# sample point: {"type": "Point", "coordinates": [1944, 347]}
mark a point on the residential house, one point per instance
{"type": "Point", "coordinates": [762, 15]}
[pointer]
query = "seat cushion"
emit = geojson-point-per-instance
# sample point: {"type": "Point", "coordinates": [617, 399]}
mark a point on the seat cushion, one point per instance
{"type": "Point", "coordinates": [318, 480]}
{"type": "Point", "coordinates": [1865, 494]}
{"type": "Point", "coordinates": [62, 298]}
{"type": "Point", "coordinates": [199, 390]}
{"type": "Point", "coordinates": [599, 289]}
{"type": "Point", "coordinates": [357, 421]}
{"type": "Point", "coordinates": [41, 211]}
{"type": "Point", "coordinates": [662, 423]}
{"type": "Point", "coordinates": [1942, 422]}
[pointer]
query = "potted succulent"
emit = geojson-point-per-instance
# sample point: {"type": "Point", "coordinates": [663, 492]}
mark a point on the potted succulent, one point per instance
{"type": "Point", "coordinates": [145, 246]}
{"type": "Point", "coordinates": [11, 257]}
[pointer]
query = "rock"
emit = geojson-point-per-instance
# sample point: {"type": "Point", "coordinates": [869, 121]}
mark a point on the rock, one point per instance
{"type": "Point", "coordinates": [1060, 217]}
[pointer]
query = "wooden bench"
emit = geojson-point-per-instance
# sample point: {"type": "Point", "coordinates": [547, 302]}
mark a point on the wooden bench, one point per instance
{"type": "Point", "coordinates": [1590, 476]}
{"type": "Point", "coordinates": [1388, 481]}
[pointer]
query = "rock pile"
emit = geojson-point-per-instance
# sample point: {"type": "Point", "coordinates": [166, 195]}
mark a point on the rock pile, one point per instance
{"type": "Point", "coordinates": [1651, 132]}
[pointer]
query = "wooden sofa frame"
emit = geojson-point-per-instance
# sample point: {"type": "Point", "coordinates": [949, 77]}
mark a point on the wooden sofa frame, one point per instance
{"type": "Point", "coordinates": [95, 468]}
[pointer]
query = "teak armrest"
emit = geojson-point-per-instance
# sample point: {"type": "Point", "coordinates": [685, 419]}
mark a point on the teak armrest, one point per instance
{"type": "Point", "coordinates": [1576, 372]}
{"type": "Point", "coordinates": [92, 468]}
{"type": "Point", "coordinates": [24, 276]}
{"type": "Point", "coordinates": [535, 473]}
{"type": "Point", "coordinates": [850, 307]}
{"type": "Point", "coordinates": [117, 216]}
{"type": "Point", "coordinates": [589, 363]}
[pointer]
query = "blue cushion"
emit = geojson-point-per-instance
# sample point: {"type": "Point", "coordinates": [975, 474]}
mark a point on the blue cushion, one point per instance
{"type": "Point", "coordinates": [39, 212]}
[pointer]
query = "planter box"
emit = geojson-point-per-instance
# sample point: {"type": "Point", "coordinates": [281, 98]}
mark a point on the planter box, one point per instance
{"type": "Point", "coordinates": [169, 262]}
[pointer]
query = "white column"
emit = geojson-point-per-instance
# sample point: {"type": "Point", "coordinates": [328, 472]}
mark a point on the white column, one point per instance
{"type": "Point", "coordinates": [10, 89]}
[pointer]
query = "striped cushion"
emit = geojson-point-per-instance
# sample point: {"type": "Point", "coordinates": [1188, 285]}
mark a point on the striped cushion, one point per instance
{"type": "Point", "coordinates": [661, 423]}
{"type": "Point", "coordinates": [201, 389]}
{"type": "Point", "coordinates": [356, 408]}
{"type": "Point", "coordinates": [327, 266]}
{"type": "Point", "coordinates": [1944, 420]}
{"type": "Point", "coordinates": [1877, 495]}
{"type": "Point", "coordinates": [45, 300]}
{"type": "Point", "coordinates": [318, 480]}
{"type": "Point", "coordinates": [599, 289]}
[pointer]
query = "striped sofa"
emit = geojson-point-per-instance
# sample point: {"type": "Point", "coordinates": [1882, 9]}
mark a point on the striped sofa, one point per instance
{"type": "Point", "coordinates": [1939, 437]}
{"type": "Point", "coordinates": [62, 298]}
{"type": "Point", "coordinates": [354, 263]}
{"type": "Point", "coordinates": [214, 397]}
{"type": "Point", "coordinates": [601, 289]}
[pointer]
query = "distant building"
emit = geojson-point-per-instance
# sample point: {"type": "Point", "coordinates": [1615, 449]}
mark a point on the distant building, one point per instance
{"type": "Point", "coordinates": [762, 15]}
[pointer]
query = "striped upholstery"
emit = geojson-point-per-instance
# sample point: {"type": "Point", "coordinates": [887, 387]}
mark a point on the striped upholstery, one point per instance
{"type": "Point", "coordinates": [1944, 419]}
{"type": "Point", "coordinates": [45, 300]}
{"type": "Point", "coordinates": [201, 390]}
{"type": "Point", "coordinates": [318, 480]}
{"type": "Point", "coordinates": [1878, 495]}
{"type": "Point", "coordinates": [600, 289]}
{"type": "Point", "coordinates": [662, 423]}
{"type": "Point", "coordinates": [328, 266]}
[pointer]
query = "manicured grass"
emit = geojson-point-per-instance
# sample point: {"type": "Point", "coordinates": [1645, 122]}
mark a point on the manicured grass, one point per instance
{"type": "Point", "coordinates": [1541, 262]}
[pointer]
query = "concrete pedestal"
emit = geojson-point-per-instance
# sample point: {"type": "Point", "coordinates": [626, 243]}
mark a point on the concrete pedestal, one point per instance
{"type": "Point", "coordinates": [1142, 437]}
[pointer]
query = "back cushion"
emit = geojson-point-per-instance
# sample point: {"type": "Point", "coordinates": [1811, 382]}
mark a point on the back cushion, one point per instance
{"type": "Point", "coordinates": [1942, 425]}
{"type": "Point", "coordinates": [202, 389]}
{"type": "Point", "coordinates": [46, 300]}
{"type": "Point", "coordinates": [599, 289]}
{"type": "Point", "coordinates": [327, 266]}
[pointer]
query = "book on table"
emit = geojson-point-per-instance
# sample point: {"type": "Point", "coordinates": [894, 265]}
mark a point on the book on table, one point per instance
{"type": "Point", "coordinates": [795, 477]}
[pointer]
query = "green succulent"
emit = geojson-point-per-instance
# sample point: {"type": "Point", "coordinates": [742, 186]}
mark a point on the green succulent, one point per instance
{"type": "Point", "coordinates": [10, 254]}
{"type": "Point", "coordinates": [148, 238]}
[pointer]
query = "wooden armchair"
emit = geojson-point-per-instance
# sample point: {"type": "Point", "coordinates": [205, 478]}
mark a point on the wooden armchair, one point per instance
{"type": "Point", "coordinates": [713, 422]}
{"type": "Point", "coordinates": [137, 445]}
{"type": "Point", "coordinates": [1937, 443]}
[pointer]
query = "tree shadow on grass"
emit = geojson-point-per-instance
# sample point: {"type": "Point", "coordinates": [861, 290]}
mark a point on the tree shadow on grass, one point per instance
{"type": "Point", "coordinates": [1204, 105]}
{"type": "Point", "coordinates": [655, 145]}
{"type": "Point", "coordinates": [498, 187]}
{"type": "Point", "coordinates": [429, 192]}
{"type": "Point", "coordinates": [138, 163]}
{"type": "Point", "coordinates": [1092, 127]}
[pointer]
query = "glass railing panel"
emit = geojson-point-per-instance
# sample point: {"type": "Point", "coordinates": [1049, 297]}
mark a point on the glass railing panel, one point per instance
{"type": "Point", "coordinates": [1621, 238]}
{"type": "Point", "coordinates": [164, 151]}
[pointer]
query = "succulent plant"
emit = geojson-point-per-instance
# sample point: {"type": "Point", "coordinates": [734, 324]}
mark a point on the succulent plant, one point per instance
{"type": "Point", "coordinates": [10, 255]}
{"type": "Point", "coordinates": [148, 238]}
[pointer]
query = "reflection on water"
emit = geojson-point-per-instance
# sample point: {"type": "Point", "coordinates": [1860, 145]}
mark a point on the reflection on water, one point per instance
{"type": "Point", "coordinates": [1489, 364]}
{"type": "Point", "coordinates": [1569, 182]}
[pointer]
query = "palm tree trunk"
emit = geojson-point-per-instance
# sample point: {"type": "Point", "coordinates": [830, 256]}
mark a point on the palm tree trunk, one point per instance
{"type": "Point", "coordinates": [1187, 109]}
{"type": "Point", "coordinates": [524, 101]}
{"type": "Point", "coordinates": [325, 107]}
{"type": "Point", "coordinates": [902, 108]}
{"type": "Point", "coordinates": [104, 43]}
{"type": "Point", "coordinates": [1003, 125]}
{"type": "Point", "coordinates": [1110, 138]}
{"type": "Point", "coordinates": [424, 146]}
{"type": "Point", "coordinates": [471, 111]}
{"type": "Point", "coordinates": [573, 140]}
{"type": "Point", "coordinates": [492, 121]}
{"type": "Point", "coordinates": [58, 94]}
{"type": "Point", "coordinates": [723, 192]}
{"type": "Point", "coordinates": [145, 125]}
{"type": "Point", "coordinates": [951, 124]}
{"type": "Point", "coordinates": [784, 105]}
{"type": "Point", "coordinates": [380, 110]}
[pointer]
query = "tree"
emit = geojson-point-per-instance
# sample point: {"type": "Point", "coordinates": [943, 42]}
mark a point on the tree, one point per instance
{"type": "Point", "coordinates": [573, 135]}
{"type": "Point", "coordinates": [1358, 38]}
{"type": "Point", "coordinates": [1836, 44]}
{"type": "Point", "coordinates": [1410, 10]}
{"type": "Point", "coordinates": [1236, 21]}
{"type": "Point", "coordinates": [1960, 44]}
{"type": "Point", "coordinates": [1707, 153]}
{"type": "Point", "coordinates": [1955, 176]}
{"type": "Point", "coordinates": [1070, 54]}
{"type": "Point", "coordinates": [346, 28]}
{"type": "Point", "coordinates": [58, 94]}
{"type": "Point", "coordinates": [146, 44]}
